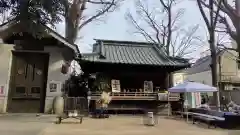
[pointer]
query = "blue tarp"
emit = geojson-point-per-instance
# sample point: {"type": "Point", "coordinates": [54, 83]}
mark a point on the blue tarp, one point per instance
{"type": "Point", "coordinates": [192, 87]}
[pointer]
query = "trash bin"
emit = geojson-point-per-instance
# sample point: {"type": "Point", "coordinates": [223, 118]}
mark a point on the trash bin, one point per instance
{"type": "Point", "coordinates": [149, 119]}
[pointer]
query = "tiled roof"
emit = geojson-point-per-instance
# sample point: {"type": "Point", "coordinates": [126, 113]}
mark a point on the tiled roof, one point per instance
{"type": "Point", "coordinates": [5, 26]}
{"type": "Point", "coordinates": [202, 64]}
{"type": "Point", "coordinates": [128, 52]}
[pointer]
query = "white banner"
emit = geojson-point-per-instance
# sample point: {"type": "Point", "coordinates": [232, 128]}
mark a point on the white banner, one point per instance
{"type": "Point", "coordinates": [198, 99]}
{"type": "Point", "coordinates": [115, 84]}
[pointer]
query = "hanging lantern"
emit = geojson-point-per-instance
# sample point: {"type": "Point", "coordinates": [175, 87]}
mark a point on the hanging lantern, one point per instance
{"type": "Point", "coordinates": [65, 68]}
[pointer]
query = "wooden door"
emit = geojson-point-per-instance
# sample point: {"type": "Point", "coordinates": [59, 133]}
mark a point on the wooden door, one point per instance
{"type": "Point", "coordinates": [27, 89]}
{"type": "Point", "coordinates": [21, 76]}
{"type": "Point", "coordinates": [36, 77]}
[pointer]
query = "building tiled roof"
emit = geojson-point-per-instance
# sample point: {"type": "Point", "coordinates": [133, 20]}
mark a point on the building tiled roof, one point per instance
{"type": "Point", "coordinates": [202, 64]}
{"type": "Point", "coordinates": [4, 32]}
{"type": "Point", "coordinates": [128, 52]}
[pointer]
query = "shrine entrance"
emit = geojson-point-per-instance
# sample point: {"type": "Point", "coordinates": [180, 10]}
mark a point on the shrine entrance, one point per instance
{"type": "Point", "coordinates": [28, 82]}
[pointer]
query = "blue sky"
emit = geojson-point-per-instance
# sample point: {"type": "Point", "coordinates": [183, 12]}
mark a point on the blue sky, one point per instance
{"type": "Point", "coordinates": [115, 27]}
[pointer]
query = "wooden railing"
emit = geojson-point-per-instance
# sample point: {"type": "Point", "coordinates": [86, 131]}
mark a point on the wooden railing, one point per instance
{"type": "Point", "coordinates": [137, 96]}
{"type": "Point", "coordinates": [127, 96]}
{"type": "Point", "coordinates": [166, 97]}
{"type": "Point", "coordinates": [230, 78]}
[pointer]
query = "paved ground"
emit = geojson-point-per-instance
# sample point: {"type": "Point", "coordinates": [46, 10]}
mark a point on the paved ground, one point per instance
{"type": "Point", "coordinates": [26, 124]}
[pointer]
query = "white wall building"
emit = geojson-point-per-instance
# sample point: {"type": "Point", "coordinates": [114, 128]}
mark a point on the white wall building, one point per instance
{"type": "Point", "coordinates": [227, 70]}
{"type": "Point", "coordinates": [30, 70]}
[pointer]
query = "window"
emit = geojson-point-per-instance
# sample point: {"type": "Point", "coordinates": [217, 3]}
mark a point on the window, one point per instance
{"type": "Point", "coordinates": [20, 90]}
{"type": "Point", "coordinates": [35, 90]}
{"type": "Point", "coordinates": [53, 87]}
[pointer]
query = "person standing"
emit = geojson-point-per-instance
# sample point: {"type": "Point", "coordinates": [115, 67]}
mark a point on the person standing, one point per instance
{"type": "Point", "coordinates": [204, 103]}
{"type": "Point", "coordinates": [224, 103]}
{"type": "Point", "coordinates": [204, 100]}
{"type": "Point", "coordinates": [105, 100]}
{"type": "Point", "coordinates": [102, 104]}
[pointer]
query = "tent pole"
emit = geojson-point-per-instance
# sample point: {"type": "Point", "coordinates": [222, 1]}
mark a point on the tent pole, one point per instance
{"type": "Point", "coordinates": [186, 105]}
{"type": "Point", "coordinates": [168, 105]}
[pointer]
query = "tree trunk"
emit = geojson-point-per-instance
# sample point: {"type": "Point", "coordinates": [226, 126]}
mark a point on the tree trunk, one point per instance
{"type": "Point", "coordinates": [238, 51]}
{"type": "Point", "coordinates": [211, 30]}
{"type": "Point", "coordinates": [70, 31]}
{"type": "Point", "coordinates": [237, 5]}
{"type": "Point", "coordinates": [214, 69]}
{"type": "Point", "coordinates": [72, 20]}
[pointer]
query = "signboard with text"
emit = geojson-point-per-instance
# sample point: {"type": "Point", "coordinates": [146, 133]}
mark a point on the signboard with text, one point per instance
{"type": "Point", "coordinates": [115, 85]}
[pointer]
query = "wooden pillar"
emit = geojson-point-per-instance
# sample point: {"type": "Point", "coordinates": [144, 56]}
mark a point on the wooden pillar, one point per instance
{"type": "Point", "coordinates": [170, 80]}
{"type": "Point", "coordinates": [166, 81]}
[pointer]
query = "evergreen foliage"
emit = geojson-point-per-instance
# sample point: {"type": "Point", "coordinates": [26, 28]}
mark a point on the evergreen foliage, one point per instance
{"type": "Point", "coordinates": [34, 13]}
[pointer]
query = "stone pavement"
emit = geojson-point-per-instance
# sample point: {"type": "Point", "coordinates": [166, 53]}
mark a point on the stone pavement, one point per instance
{"type": "Point", "coordinates": [116, 125]}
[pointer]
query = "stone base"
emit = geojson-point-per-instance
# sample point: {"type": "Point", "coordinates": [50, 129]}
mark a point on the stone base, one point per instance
{"type": "Point", "coordinates": [49, 105]}
{"type": "Point", "coordinates": [3, 104]}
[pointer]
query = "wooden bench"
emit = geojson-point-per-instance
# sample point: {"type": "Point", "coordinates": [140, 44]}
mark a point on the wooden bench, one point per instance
{"type": "Point", "coordinates": [209, 119]}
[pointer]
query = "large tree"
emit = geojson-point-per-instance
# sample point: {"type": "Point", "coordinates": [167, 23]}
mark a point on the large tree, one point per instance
{"type": "Point", "coordinates": [78, 15]}
{"type": "Point", "coordinates": [160, 22]}
{"type": "Point", "coordinates": [229, 16]}
{"type": "Point", "coordinates": [33, 13]}
{"type": "Point", "coordinates": [211, 18]}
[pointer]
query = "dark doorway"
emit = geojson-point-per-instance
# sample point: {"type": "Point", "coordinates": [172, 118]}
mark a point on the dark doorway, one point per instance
{"type": "Point", "coordinates": [28, 82]}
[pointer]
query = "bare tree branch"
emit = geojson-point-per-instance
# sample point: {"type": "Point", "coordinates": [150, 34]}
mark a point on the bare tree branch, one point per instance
{"type": "Point", "coordinates": [217, 13]}
{"type": "Point", "coordinates": [106, 8]}
{"type": "Point", "coordinates": [226, 48]}
{"type": "Point", "coordinates": [100, 2]}
{"type": "Point", "coordinates": [186, 41]}
{"type": "Point", "coordinates": [150, 20]}
{"type": "Point", "coordinates": [200, 3]}
{"type": "Point", "coordinates": [160, 25]}
{"type": "Point", "coordinates": [139, 29]}
{"type": "Point", "coordinates": [233, 17]}
{"type": "Point", "coordinates": [76, 17]}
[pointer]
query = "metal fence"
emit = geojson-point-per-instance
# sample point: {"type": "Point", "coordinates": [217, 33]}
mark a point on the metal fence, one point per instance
{"type": "Point", "coordinates": [79, 104]}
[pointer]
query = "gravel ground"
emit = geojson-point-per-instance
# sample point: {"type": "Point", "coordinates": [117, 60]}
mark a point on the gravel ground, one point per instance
{"type": "Point", "coordinates": [24, 124]}
{"type": "Point", "coordinates": [130, 125]}
{"type": "Point", "coordinates": [29, 124]}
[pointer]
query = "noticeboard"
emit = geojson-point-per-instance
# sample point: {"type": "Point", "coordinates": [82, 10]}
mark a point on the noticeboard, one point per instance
{"type": "Point", "coordinates": [115, 84]}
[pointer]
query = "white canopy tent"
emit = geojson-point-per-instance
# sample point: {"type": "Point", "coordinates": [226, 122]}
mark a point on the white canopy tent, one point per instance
{"type": "Point", "coordinates": [190, 87]}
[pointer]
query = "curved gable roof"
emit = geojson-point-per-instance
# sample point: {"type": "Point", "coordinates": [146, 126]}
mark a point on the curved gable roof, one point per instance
{"type": "Point", "coordinates": [129, 52]}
